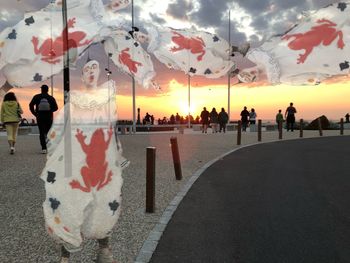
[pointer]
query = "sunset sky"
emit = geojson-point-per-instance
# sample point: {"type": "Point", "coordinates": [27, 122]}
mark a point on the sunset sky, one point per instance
{"type": "Point", "coordinates": [251, 20]}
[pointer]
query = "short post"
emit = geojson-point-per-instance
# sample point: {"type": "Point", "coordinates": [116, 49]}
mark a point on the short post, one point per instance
{"type": "Point", "coordinates": [259, 130]}
{"type": "Point", "coordinates": [320, 126]}
{"type": "Point", "coordinates": [176, 158]}
{"type": "Point", "coordinates": [341, 126]}
{"type": "Point", "coordinates": [301, 128]}
{"type": "Point", "coordinates": [239, 133]}
{"type": "Point", "coordinates": [150, 178]}
{"type": "Point", "coordinates": [280, 130]}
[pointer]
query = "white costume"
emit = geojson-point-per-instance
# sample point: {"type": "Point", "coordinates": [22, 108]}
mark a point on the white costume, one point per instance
{"type": "Point", "coordinates": [315, 49]}
{"type": "Point", "coordinates": [129, 56]}
{"type": "Point", "coordinates": [85, 202]}
{"type": "Point", "coordinates": [194, 52]}
{"type": "Point", "coordinates": [32, 50]}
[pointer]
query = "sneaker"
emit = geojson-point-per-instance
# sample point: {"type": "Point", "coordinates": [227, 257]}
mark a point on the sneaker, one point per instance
{"type": "Point", "coordinates": [64, 260]}
{"type": "Point", "coordinates": [44, 151]}
{"type": "Point", "coordinates": [12, 150]}
{"type": "Point", "coordinates": [105, 256]}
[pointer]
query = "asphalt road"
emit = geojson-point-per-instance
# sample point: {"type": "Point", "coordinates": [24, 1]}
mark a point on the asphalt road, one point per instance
{"type": "Point", "coordinates": [283, 202]}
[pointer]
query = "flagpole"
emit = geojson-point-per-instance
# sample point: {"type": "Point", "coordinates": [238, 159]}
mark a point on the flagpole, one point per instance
{"type": "Point", "coordinates": [66, 88]}
{"type": "Point", "coordinates": [189, 101]}
{"type": "Point", "coordinates": [133, 79]}
{"type": "Point", "coordinates": [229, 72]}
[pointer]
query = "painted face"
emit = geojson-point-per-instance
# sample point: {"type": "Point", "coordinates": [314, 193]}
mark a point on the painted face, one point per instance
{"type": "Point", "coordinates": [116, 5]}
{"type": "Point", "coordinates": [141, 37]}
{"type": "Point", "coordinates": [90, 74]}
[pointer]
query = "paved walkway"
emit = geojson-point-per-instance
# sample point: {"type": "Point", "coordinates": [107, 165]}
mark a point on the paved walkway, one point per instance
{"type": "Point", "coordinates": [22, 234]}
{"type": "Point", "coordinates": [278, 202]}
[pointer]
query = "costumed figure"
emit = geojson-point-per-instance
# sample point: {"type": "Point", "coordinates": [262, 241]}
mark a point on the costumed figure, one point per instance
{"type": "Point", "coordinates": [85, 202]}
{"type": "Point", "coordinates": [315, 49]}
{"type": "Point", "coordinates": [32, 50]}
{"type": "Point", "coordinates": [129, 56]}
{"type": "Point", "coordinates": [193, 52]}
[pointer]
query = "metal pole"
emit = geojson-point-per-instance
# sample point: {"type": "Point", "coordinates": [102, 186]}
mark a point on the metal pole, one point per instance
{"type": "Point", "coordinates": [133, 79]}
{"type": "Point", "coordinates": [189, 101]}
{"type": "Point", "coordinates": [66, 86]}
{"type": "Point", "coordinates": [229, 72]}
{"type": "Point", "coordinates": [150, 178]}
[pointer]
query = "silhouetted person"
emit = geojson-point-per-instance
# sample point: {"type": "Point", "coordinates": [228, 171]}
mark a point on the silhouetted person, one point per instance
{"type": "Point", "coordinates": [252, 116]}
{"type": "Point", "coordinates": [279, 118]}
{"type": "Point", "coordinates": [223, 119]}
{"type": "Point", "coordinates": [290, 116]}
{"type": "Point", "coordinates": [244, 118]}
{"type": "Point", "coordinates": [347, 116]}
{"type": "Point", "coordinates": [205, 119]}
{"type": "Point", "coordinates": [177, 118]}
{"type": "Point", "coordinates": [147, 118]}
{"type": "Point", "coordinates": [172, 119]}
{"type": "Point", "coordinates": [42, 107]}
{"type": "Point", "coordinates": [214, 120]}
{"type": "Point", "coordinates": [196, 120]}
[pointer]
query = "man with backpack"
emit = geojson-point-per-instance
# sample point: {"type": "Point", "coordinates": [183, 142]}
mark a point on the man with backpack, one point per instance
{"type": "Point", "coordinates": [42, 107]}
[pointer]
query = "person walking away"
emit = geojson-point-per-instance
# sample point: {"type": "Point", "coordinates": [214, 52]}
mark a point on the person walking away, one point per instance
{"type": "Point", "coordinates": [279, 118]}
{"type": "Point", "coordinates": [205, 120]}
{"type": "Point", "coordinates": [244, 118]}
{"type": "Point", "coordinates": [42, 107]}
{"type": "Point", "coordinates": [214, 120]}
{"type": "Point", "coordinates": [10, 117]}
{"type": "Point", "coordinates": [252, 116]}
{"type": "Point", "coordinates": [290, 116]}
{"type": "Point", "coordinates": [223, 119]}
{"type": "Point", "coordinates": [252, 120]}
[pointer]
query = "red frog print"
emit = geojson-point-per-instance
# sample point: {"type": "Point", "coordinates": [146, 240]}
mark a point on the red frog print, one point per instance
{"type": "Point", "coordinates": [325, 34]}
{"type": "Point", "coordinates": [95, 172]}
{"type": "Point", "coordinates": [125, 58]}
{"type": "Point", "coordinates": [195, 45]}
{"type": "Point", "coordinates": [51, 50]}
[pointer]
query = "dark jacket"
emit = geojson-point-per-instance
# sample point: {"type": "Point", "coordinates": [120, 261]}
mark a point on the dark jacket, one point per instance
{"type": "Point", "coordinates": [34, 106]}
{"type": "Point", "coordinates": [223, 117]}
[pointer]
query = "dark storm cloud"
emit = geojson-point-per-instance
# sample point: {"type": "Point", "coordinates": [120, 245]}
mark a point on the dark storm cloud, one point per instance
{"type": "Point", "coordinates": [210, 13]}
{"type": "Point", "coordinates": [158, 20]}
{"type": "Point", "coordinates": [179, 9]}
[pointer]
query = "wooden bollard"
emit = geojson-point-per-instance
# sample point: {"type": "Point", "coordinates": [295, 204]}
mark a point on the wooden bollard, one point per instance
{"type": "Point", "coordinates": [341, 126]}
{"type": "Point", "coordinates": [150, 178]}
{"type": "Point", "coordinates": [239, 133]}
{"type": "Point", "coordinates": [320, 127]}
{"type": "Point", "coordinates": [301, 128]}
{"type": "Point", "coordinates": [259, 130]}
{"type": "Point", "coordinates": [176, 158]}
{"type": "Point", "coordinates": [280, 130]}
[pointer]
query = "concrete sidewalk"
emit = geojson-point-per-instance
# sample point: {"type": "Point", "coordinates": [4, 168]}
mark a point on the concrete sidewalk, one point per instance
{"type": "Point", "coordinates": [22, 192]}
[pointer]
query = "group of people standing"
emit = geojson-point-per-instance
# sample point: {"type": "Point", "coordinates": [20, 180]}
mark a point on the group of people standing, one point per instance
{"type": "Point", "coordinates": [42, 107]}
{"type": "Point", "coordinates": [289, 115]}
{"type": "Point", "coordinates": [247, 118]}
{"type": "Point", "coordinates": [214, 119]}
